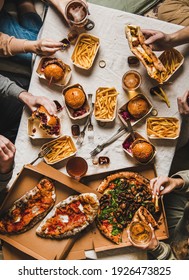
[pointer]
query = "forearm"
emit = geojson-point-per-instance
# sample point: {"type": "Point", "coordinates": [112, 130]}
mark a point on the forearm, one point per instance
{"type": "Point", "coordinates": [180, 37]}
{"type": "Point", "coordinates": [9, 88]}
{"type": "Point", "coordinates": [185, 177]}
{"type": "Point", "coordinates": [17, 46]}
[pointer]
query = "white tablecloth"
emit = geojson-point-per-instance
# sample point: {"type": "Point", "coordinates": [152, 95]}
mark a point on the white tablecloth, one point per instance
{"type": "Point", "coordinates": [114, 49]}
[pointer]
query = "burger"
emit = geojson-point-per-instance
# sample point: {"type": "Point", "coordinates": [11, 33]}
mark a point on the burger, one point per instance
{"type": "Point", "coordinates": [138, 107]}
{"type": "Point", "coordinates": [54, 70]}
{"type": "Point", "coordinates": [75, 98]}
{"type": "Point", "coordinates": [142, 150]}
{"type": "Point", "coordinates": [49, 123]}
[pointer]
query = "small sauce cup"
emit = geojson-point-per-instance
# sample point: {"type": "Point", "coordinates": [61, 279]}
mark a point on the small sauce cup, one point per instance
{"type": "Point", "coordinates": [131, 80]}
{"type": "Point", "coordinates": [76, 167]}
{"type": "Point", "coordinates": [140, 233]}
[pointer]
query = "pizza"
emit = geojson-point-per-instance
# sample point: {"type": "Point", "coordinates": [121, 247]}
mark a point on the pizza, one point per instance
{"type": "Point", "coordinates": [69, 216]}
{"type": "Point", "coordinates": [142, 214]}
{"type": "Point", "coordinates": [123, 194]}
{"type": "Point", "coordinates": [29, 209]}
{"type": "Point", "coordinates": [144, 53]}
{"type": "Point", "coordinates": [49, 123]}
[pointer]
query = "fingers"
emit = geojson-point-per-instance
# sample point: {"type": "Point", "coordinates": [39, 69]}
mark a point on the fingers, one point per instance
{"type": "Point", "coordinates": [157, 184]}
{"type": "Point", "coordinates": [48, 104]}
{"type": "Point", "coordinates": [6, 145]}
{"type": "Point", "coordinates": [52, 44]}
{"type": "Point", "coordinates": [183, 104]}
{"type": "Point", "coordinates": [152, 39]}
{"type": "Point", "coordinates": [7, 153]}
{"type": "Point", "coordinates": [48, 47]}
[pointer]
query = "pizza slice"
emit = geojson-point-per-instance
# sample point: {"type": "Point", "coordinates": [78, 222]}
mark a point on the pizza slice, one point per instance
{"type": "Point", "coordinates": [29, 209]}
{"type": "Point", "coordinates": [142, 214]}
{"type": "Point", "coordinates": [144, 53]}
{"type": "Point", "coordinates": [49, 123]}
{"type": "Point", "coordinates": [69, 216]}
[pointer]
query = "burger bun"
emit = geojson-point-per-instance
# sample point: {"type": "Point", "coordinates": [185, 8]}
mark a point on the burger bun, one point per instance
{"type": "Point", "coordinates": [142, 150]}
{"type": "Point", "coordinates": [53, 72]}
{"type": "Point", "coordinates": [75, 98]}
{"type": "Point", "coordinates": [138, 107]}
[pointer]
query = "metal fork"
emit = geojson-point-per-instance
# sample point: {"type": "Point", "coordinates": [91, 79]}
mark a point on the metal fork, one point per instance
{"type": "Point", "coordinates": [90, 125]}
{"type": "Point", "coordinates": [41, 154]}
{"type": "Point", "coordinates": [80, 139]}
{"type": "Point", "coordinates": [114, 137]}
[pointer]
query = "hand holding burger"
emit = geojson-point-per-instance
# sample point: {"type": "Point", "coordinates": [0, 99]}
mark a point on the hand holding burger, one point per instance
{"type": "Point", "coordinates": [33, 102]}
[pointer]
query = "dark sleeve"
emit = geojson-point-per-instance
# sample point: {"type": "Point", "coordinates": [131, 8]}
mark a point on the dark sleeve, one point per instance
{"type": "Point", "coordinates": [4, 179]}
{"type": "Point", "coordinates": [162, 252]}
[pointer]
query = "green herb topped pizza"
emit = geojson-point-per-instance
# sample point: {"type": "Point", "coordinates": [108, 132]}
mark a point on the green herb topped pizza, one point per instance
{"type": "Point", "coordinates": [123, 194]}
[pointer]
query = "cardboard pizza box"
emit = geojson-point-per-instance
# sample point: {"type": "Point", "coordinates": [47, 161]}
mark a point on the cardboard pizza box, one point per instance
{"type": "Point", "coordinates": [28, 242]}
{"type": "Point", "coordinates": [101, 243]}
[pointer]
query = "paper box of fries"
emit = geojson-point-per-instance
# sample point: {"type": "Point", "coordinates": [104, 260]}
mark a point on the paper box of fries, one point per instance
{"type": "Point", "coordinates": [85, 51]}
{"type": "Point", "coordinates": [144, 153]}
{"type": "Point", "coordinates": [76, 102]}
{"type": "Point", "coordinates": [61, 148]}
{"type": "Point", "coordinates": [105, 106]}
{"type": "Point", "coordinates": [136, 109]}
{"type": "Point", "coordinates": [54, 71]}
{"type": "Point", "coordinates": [163, 127]}
{"type": "Point", "coordinates": [172, 60]}
{"type": "Point", "coordinates": [29, 242]}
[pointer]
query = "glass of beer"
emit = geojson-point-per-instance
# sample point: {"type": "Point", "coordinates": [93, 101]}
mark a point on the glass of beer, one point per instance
{"type": "Point", "coordinates": [76, 167]}
{"type": "Point", "coordinates": [140, 233]}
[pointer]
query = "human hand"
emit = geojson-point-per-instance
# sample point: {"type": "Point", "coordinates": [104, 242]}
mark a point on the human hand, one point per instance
{"type": "Point", "coordinates": [7, 154]}
{"type": "Point", "coordinates": [157, 40]}
{"type": "Point", "coordinates": [60, 5]}
{"type": "Point", "coordinates": [33, 102]}
{"type": "Point", "coordinates": [183, 104]}
{"type": "Point", "coordinates": [47, 47]}
{"type": "Point", "coordinates": [163, 184]}
{"type": "Point", "coordinates": [153, 243]}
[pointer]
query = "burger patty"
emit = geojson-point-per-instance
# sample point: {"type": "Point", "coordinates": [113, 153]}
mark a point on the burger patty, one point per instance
{"type": "Point", "coordinates": [53, 61]}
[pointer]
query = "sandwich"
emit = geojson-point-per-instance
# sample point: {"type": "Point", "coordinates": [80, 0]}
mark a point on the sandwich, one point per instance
{"type": "Point", "coordinates": [75, 98]}
{"type": "Point", "coordinates": [144, 53]}
{"type": "Point", "coordinates": [54, 70]}
{"type": "Point", "coordinates": [49, 123]}
{"type": "Point", "coordinates": [138, 107]}
{"type": "Point", "coordinates": [142, 150]}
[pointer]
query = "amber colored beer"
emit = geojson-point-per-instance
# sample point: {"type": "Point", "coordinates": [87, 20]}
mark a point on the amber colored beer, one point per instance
{"type": "Point", "coordinates": [76, 167]}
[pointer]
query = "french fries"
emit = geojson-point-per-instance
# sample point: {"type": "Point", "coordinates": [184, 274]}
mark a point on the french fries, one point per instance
{"type": "Point", "coordinates": [60, 149]}
{"type": "Point", "coordinates": [159, 127]}
{"type": "Point", "coordinates": [105, 104]}
{"type": "Point", "coordinates": [158, 91]}
{"type": "Point", "coordinates": [85, 51]}
{"type": "Point", "coordinates": [171, 60]}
